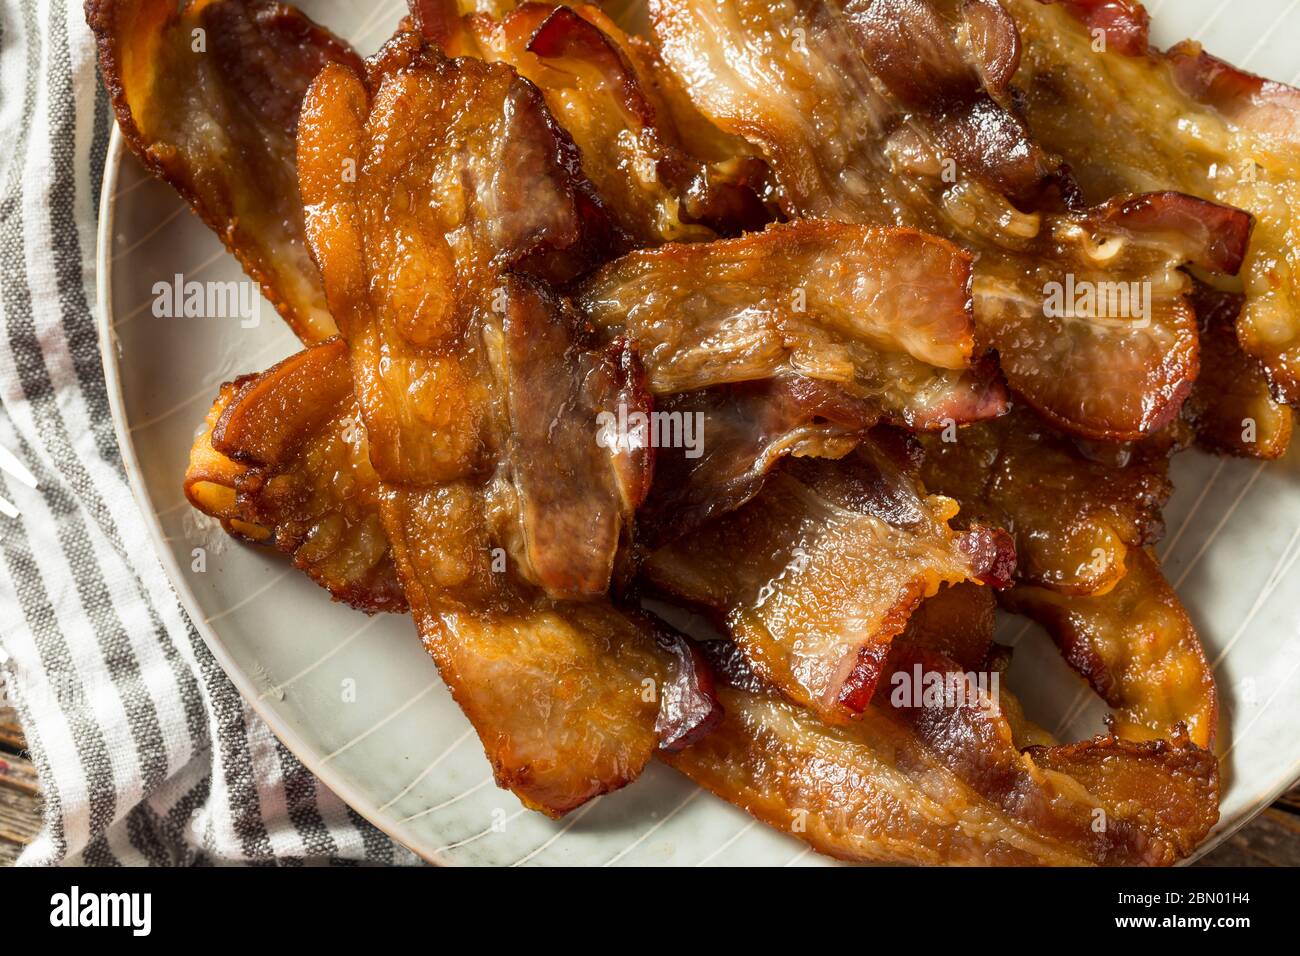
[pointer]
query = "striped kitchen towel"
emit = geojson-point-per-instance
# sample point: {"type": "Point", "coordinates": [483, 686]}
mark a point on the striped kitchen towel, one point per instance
{"type": "Point", "coordinates": [146, 753]}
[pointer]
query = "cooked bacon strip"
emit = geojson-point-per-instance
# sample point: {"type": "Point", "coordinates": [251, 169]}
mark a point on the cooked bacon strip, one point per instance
{"type": "Point", "coordinates": [737, 435]}
{"type": "Point", "coordinates": [602, 87]}
{"type": "Point", "coordinates": [208, 99]}
{"type": "Point", "coordinates": [282, 461]}
{"type": "Point", "coordinates": [957, 622]}
{"type": "Point", "coordinates": [1075, 519]}
{"type": "Point", "coordinates": [804, 82]}
{"type": "Point", "coordinates": [570, 699]}
{"type": "Point", "coordinates": [1119, 368]}
{"type": "Point", "coordinates": [412, 284]}
{"type": "Point", "coordinates": [945, 785]}
{"type": "Point", "coordinates": [1231, 408]}
{"type": "Point", "coordinates": [1138, 649]}
{"type": "Point", "coordinates": [842, 141]}
{"type": "Point", "coordinates": [1130, 117]}
{"type": "Point", "coordinates": [482, 404]}
{"type": "Point", "coordinates": [926, 64]}
{"type": "Point", "coordinates": [306, 481]}
{"type": "Point", "coordinates": [815, 577]}
{"type": "Point", "coordinates": [884, 314]}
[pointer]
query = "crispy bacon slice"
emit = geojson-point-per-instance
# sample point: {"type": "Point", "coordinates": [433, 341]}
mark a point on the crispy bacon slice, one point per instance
{"type": "Point", "coordinates": [957, 622]}
{"type": "Point", "coordinates": [815, 577]}
{"type": "Point", "coordinates": [411, 284]}
{"type": "Point", "coordinates": [1117, 366]}
{"type": "Point", "coordinates": [482, 403]}
{"type": "Point", "coordinates": [282, 461]}
{"type": "Point", "coordinates": [824, 89]}
{"type": "Point", "coordinates": [1138, 649]}
{"type": "Point", "coordinates": [208, 99]}
{"type": "Point", "coordinates": [602, 86]}
{"type": "Point", "coordinates": [570, 699]}
{"type": "Point", "coordinates": [1231, 408]}
{"type": "Point", "coordinates": [1130, 117]}
{"type": "Point", "coordinates": [945, 785]}
{"type": "Point", "coordinates": [883, 314]}
{"type": "Point", "coordinates": [936, 63]}
{"type": "Point", "coordinates": [1076, 519]}
{"type": "Point", "coordinates": [590, 691]}
{"type": "Point", "coordinates": [846, 142]}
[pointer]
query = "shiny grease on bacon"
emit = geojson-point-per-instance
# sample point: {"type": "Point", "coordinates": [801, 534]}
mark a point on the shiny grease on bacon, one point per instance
{"type": "Point", "coordinates": [219, 124]}
{"type": "Point", "coordinates": [1075, 519]}
{"type": "Point", "coordinates": [846, 138]}
{"type": "Point", "coordinates": [1136, 647]}
{"type": "Point", "coordinates": [661, 179]}
{"type": "Point", "coordinates": [815, 576]}
{"type": "Point", "coordinates": [303, 483]}
{"type": "Point", "coordinates": [1130, 117]}
{"type": "Point", "coordinates": [506, 642]}
{"type": "Point", "coordinates": [940, 785]}
{"type": "Point", "coordinates": [882, 314]}
{"type": "Point", "coordinates": [1231, 409]}
{"type": "Point", "coordinates": [282, 460]}
{"type": "Point", "coordinates": [453, 330]}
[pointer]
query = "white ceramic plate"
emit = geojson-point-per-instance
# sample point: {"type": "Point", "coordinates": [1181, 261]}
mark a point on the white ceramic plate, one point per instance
{"type": "Point", "coordinates": [402, 754]}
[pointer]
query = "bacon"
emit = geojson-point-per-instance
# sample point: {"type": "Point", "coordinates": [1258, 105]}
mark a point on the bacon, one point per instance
{"type": "Point", "coordinates": [958, 623]}
{"type": "Point", "coordinates": [420, 290]}
{"type": "Point", "coordinates": [604, 88]}
{"type": "Point", "coordinates": [816, 576]}
{"type": "Point", "coordinates": [1109, 370]}
{"type": "Point", "coordinates": [946, 785]}
{"type": "Point", "coordinates": [840, 147]}
{"type": "Point", "coordinates": [570, 699]}
{"type": "Point", "coordinates": [740, 433]}
{"type": "Point", "coordinates": [1076, 519]}
{"type": "Point", "coordinates": [1130, 117]}
{"type": "Point", "coordinates": [792, 78]}
{"type": "Point", "coordinates": [208, 100]}
{"type": "Point", "coordinates": [482, 402]}
{"type": "Point", "coordinates": [282, 461]}
{"type": "Point", "coordinates": [1231, 407]}
{"type": "Point", "coordinates": [919, 56]}
{"type": "Point", "coordinates": [883, 314]}
{"type": "Point", "coordinates": [1136, 647]}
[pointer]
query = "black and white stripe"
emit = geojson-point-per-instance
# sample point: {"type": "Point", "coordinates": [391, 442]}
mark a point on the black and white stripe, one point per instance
{"type": "Point", "coordinates": [147, 754]}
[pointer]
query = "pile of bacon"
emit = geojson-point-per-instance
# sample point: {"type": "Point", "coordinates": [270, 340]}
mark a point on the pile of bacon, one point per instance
{"type": "Point", "coordinates": [742, 306]}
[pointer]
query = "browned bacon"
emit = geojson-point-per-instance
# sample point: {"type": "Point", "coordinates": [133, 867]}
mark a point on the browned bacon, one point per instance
{"type": "Point", "coordinates": [208, 98]}
{"type": "Point", "coordinates": [851, 135]}
{"type": "Point", "coordinates": [1129, 117]}
{"type": "Point", "coordinates": [482, 401]}
{"type": "Point", "coordinates": [1231, 408]}
{"type": "Point", "coordinates": [739, 433]}
{"type": "Point", "coordinates": [1136, 647]}
{"type": "Point", "coordinates": [882, 314]}
{"type": "Point", "coordinates": [1076, 519]}
{"type": "Point", "coordinates": [282, 461]}
{"type": "Point", "coordinates": [815, 577]}
{"type": "Point", "coordinates": [660, 182]}
{"type": "Point", "coordinates": [945, 784]}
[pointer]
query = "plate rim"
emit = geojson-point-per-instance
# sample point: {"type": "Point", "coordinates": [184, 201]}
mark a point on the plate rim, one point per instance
{"type": "Point", "coordinates": [334, 779]}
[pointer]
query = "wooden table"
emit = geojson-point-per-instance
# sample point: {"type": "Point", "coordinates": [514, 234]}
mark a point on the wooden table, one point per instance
{"type": "Point", "coordinates": [1271, 839]}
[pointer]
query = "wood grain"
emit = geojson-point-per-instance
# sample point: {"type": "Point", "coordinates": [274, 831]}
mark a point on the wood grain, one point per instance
{"type": "Point", "coordinates": [20, 793]}
{"type": "Point", "coordinates": [1271, 839]}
